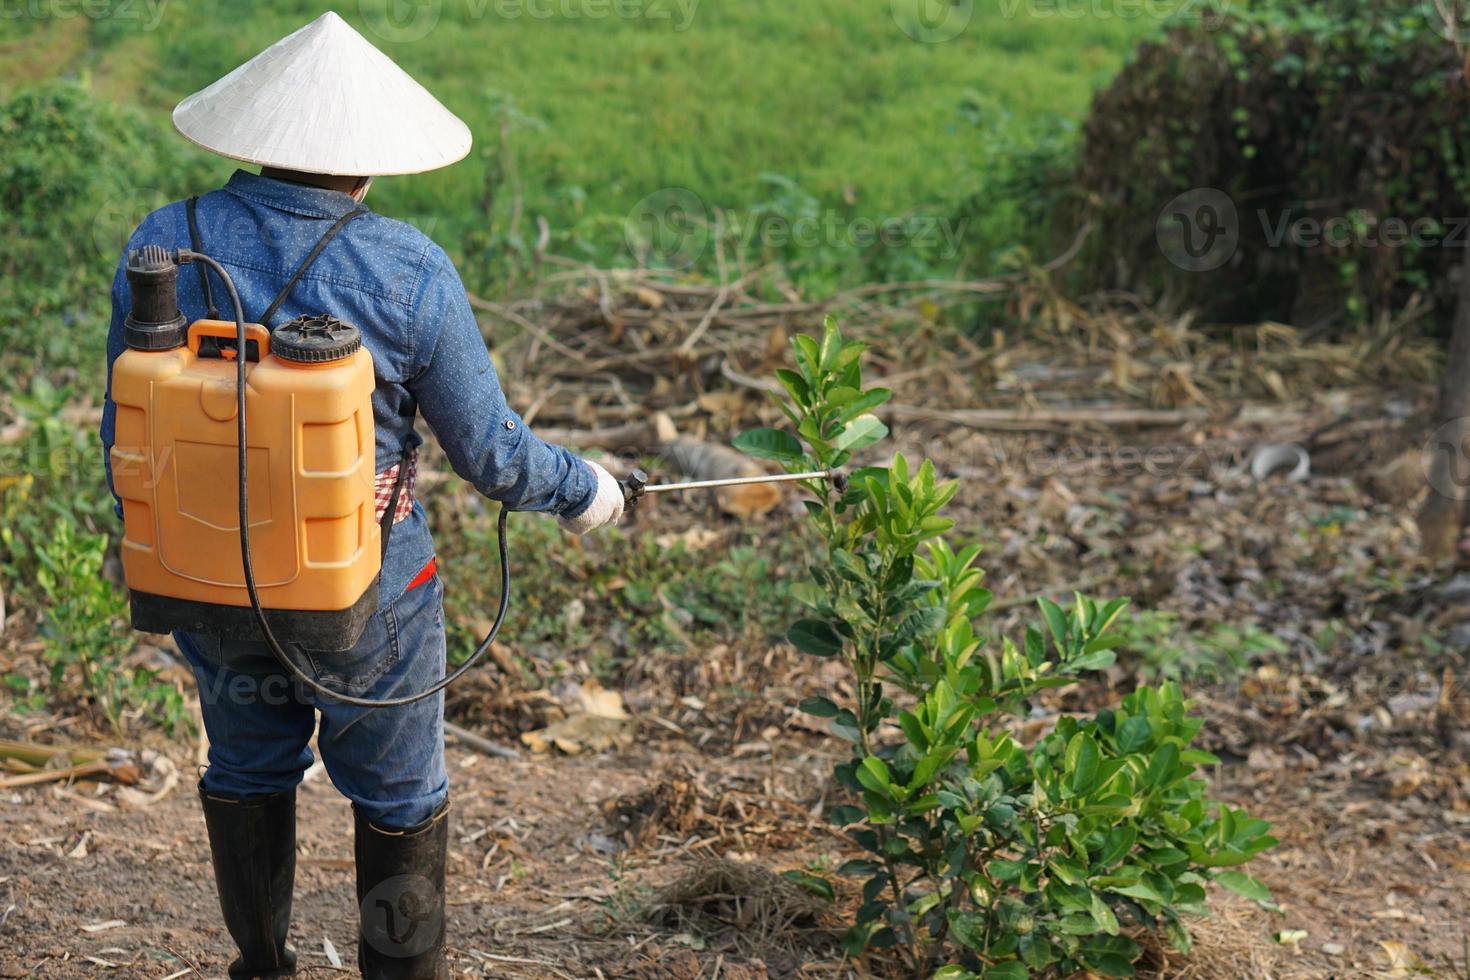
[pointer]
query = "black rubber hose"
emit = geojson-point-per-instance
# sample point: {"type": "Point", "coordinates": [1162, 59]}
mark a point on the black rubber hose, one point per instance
{"type": "Point", "coordinates": [185, 255]}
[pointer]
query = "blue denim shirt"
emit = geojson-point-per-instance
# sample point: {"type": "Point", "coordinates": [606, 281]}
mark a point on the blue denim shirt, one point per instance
{"type": "Point", "coordinates": [403, 293]}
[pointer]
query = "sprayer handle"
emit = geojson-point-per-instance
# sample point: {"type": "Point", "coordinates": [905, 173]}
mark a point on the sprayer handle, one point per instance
{"type": "Point", "coordinates": [226, 330]}
{"type": "Point", "coordinates": [633, 487]}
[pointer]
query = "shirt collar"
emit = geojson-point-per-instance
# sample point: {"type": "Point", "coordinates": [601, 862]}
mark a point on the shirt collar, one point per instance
{"type": "Point", "coordinates": [313, 202]}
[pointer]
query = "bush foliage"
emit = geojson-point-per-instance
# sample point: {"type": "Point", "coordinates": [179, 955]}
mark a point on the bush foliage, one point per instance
{"type": "Point", "coordinates": [986, 857]}
{"type": "Point", "coordinates": [1346, 116]}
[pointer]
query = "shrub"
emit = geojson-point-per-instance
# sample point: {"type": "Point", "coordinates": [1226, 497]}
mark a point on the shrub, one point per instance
{"type": "Point", "coordinates": [986, 858]}
{"type": "Point", "coordinates": [50, 476]}
{"type": "Point", "coordinates": [84, 629]}
{"type": "Point", "coordinates": [56, 521]}
{"type": "Point", "coordinates": [76, 176]}
{"type": "Point", "coordinates": [1323, 111]}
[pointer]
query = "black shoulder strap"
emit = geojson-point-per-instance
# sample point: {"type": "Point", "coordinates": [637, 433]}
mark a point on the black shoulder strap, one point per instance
{"type": "Point", "coordinates": [191, 207]}
{"type": "Point", "coordinates": [316, 250]}
{"type": "Point", "coordinates": [385, 525]}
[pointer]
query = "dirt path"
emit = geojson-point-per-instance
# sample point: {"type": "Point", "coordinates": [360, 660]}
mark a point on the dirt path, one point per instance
{"type": "Point", "coordinates": [1349, 734]}
{"type": "Point", "coordinates": [541, 884]}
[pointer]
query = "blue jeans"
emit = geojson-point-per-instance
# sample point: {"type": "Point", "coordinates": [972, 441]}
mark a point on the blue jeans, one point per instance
{"type": "Point", "coordinates": [388, 761]}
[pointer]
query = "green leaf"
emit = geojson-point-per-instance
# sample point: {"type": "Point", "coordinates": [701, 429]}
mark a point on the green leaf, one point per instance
{"type": "Point", "coordinates": [1082, 762]}
{"type": "Point", "coordinates": [849, 566]}
{"type": "Point", "coordinates": [1007, 971]}
{"type": "Point", "coordinates": [1134, 734]}
{"type": "Point", "coordinates": [1056, 622]}
{"type": "Point", "coordinates": [1165, 758]}
{"type": "Point", "coordinates": [1118, 843]}
{"type": "Point", "coordinates": [845, 727]}
{"type": "Point", "coordinates": [864, 403]}
{"type": "Point", "coordinates": [1244, 885]}
{"type": "Point", "coordinates": [794, 385]}
{"type": "Point", "coordinates": [831, 345]}
{"type": "Point", "coordinates": [809, 594]}
{"type": "Point", "coordinates": [1140, 890]}
{"type": "Point", "coordinates": [1102, 913]}
{"type": "Point", "coordinates": [952, 972]}
{"type": "Point", "coordinates": [873, 774]}
{"type": "Point", "coordinates": [807, 356]}
{"type": "Point", "coordinates": [1097, 660]}
{"type": "Point", "coordinates": [820, 707]}
{"type": "Point", "coordinates": [860, 433]}
{"type": "Point", "coordinates": [815, 884]}
{"type": "Point", "coordinates": [931, 764]}
{"type": "Point", "coordinates": [769, 444]}
{"type": "Point", "coordinates": [1002, 870]}
{"type": "Point", "coordinates": [816, 637]}
{"type": "Point", "coordinates": [1110, 964]}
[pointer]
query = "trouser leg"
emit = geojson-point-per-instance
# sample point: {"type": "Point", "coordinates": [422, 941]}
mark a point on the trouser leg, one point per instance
{"type": "Point", "coordinates": [390, 763]}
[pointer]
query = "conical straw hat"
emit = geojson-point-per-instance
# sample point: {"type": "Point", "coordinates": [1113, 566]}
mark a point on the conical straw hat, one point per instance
{"type": "Point", "coordinates": [323, 100]}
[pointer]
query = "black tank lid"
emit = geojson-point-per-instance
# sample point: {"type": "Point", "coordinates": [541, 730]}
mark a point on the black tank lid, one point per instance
{"type": "Point", "coordinates": [154, 322]}
{"type": "Point", "coordinates": [315, 339]}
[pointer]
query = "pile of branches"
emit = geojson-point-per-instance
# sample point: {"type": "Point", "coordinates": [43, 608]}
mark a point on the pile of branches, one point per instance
{"type": "Point", "coordinates": [628, 360]}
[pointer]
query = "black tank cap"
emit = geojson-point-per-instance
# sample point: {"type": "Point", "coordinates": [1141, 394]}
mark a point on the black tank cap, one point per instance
{"type": "Point", "coordinates": [315, 339]}
{"type": "Point", "coordinates": [154, 322]}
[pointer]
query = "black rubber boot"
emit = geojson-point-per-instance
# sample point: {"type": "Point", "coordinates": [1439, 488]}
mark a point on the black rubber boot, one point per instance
{"type": "Point", "coordinates": [400, 898]}
{"type": "Point", "coordinates": [253, 842]}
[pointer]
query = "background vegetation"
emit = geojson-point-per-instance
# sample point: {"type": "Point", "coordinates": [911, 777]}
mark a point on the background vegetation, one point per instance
{"type": "Point", "coordinates": [985, 154]}
{"type": "Point", "coordinates": [827, 111]}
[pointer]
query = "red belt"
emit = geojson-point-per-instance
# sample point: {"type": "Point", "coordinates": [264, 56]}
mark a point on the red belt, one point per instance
{"type": "Point", "coordinates": [425, 573]}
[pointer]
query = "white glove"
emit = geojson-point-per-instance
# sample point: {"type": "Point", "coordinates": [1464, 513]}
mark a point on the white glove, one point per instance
{"type": "Point", "coordinates": [605, 508]}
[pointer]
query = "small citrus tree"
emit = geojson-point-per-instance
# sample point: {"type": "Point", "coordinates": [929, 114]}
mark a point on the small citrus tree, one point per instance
{"type": "Point", "coordinates": [986, 858]}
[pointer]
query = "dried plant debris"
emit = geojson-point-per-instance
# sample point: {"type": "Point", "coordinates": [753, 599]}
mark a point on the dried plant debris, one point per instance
{"type": "Point", "coordinates": [742, 906]}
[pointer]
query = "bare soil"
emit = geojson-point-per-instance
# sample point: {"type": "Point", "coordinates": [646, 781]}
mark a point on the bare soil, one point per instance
{"type": "Point", "coordinates": [1350, 738]}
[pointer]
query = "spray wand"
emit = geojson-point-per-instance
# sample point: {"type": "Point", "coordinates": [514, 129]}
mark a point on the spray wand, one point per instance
{"type": "Point", "coordinates": [636, 485]}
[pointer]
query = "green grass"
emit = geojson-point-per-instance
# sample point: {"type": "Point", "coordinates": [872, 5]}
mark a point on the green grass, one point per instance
{"type": "Point", "coordinates": [601, 111]}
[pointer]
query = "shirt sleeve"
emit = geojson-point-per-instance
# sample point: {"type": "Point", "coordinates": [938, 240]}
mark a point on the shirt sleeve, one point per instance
{"type": "Point", "coordinates": [121, 304]}
{"type": "Point", "coordinates": [459, 394]}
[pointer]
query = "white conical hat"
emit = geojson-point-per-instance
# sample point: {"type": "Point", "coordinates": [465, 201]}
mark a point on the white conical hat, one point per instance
{"type": "Point", "coordinates": [325, 101]}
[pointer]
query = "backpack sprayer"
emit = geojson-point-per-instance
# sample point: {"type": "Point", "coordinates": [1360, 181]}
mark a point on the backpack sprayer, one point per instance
{"type": "Point", "coordinates": [183, 450]}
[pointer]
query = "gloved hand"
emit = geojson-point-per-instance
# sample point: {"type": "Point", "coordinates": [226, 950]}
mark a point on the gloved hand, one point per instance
{"type": "Point", "coordinates": [605, 508]}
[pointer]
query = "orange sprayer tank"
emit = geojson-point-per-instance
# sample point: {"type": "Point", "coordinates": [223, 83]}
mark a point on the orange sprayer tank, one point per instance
{"type": "Point", "coordinates": [315, 544]}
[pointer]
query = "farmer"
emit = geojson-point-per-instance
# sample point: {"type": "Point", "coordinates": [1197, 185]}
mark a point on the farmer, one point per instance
{"type": "Point", "coordinates": [322, 112]}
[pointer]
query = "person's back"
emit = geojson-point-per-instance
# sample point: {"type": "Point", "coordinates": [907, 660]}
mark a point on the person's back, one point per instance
{"type": "Point", "coordinates": [296, 239]}
{"type": "Point", "coordinates": [400, 289]}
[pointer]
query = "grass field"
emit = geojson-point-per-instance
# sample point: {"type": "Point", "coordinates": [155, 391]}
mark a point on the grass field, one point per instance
{"type": "Point", "coordinates": [582, 108]}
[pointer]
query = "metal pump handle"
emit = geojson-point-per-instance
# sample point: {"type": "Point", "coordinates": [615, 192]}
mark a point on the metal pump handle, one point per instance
{"type": "Point", "coordinates": [636, 484]}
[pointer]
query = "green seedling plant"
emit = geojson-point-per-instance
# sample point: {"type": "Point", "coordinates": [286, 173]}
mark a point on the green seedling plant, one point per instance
{"type": "Point", "coordinates": [985, 857]}
{"type": "Point", "coordinates": [83, 630]}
